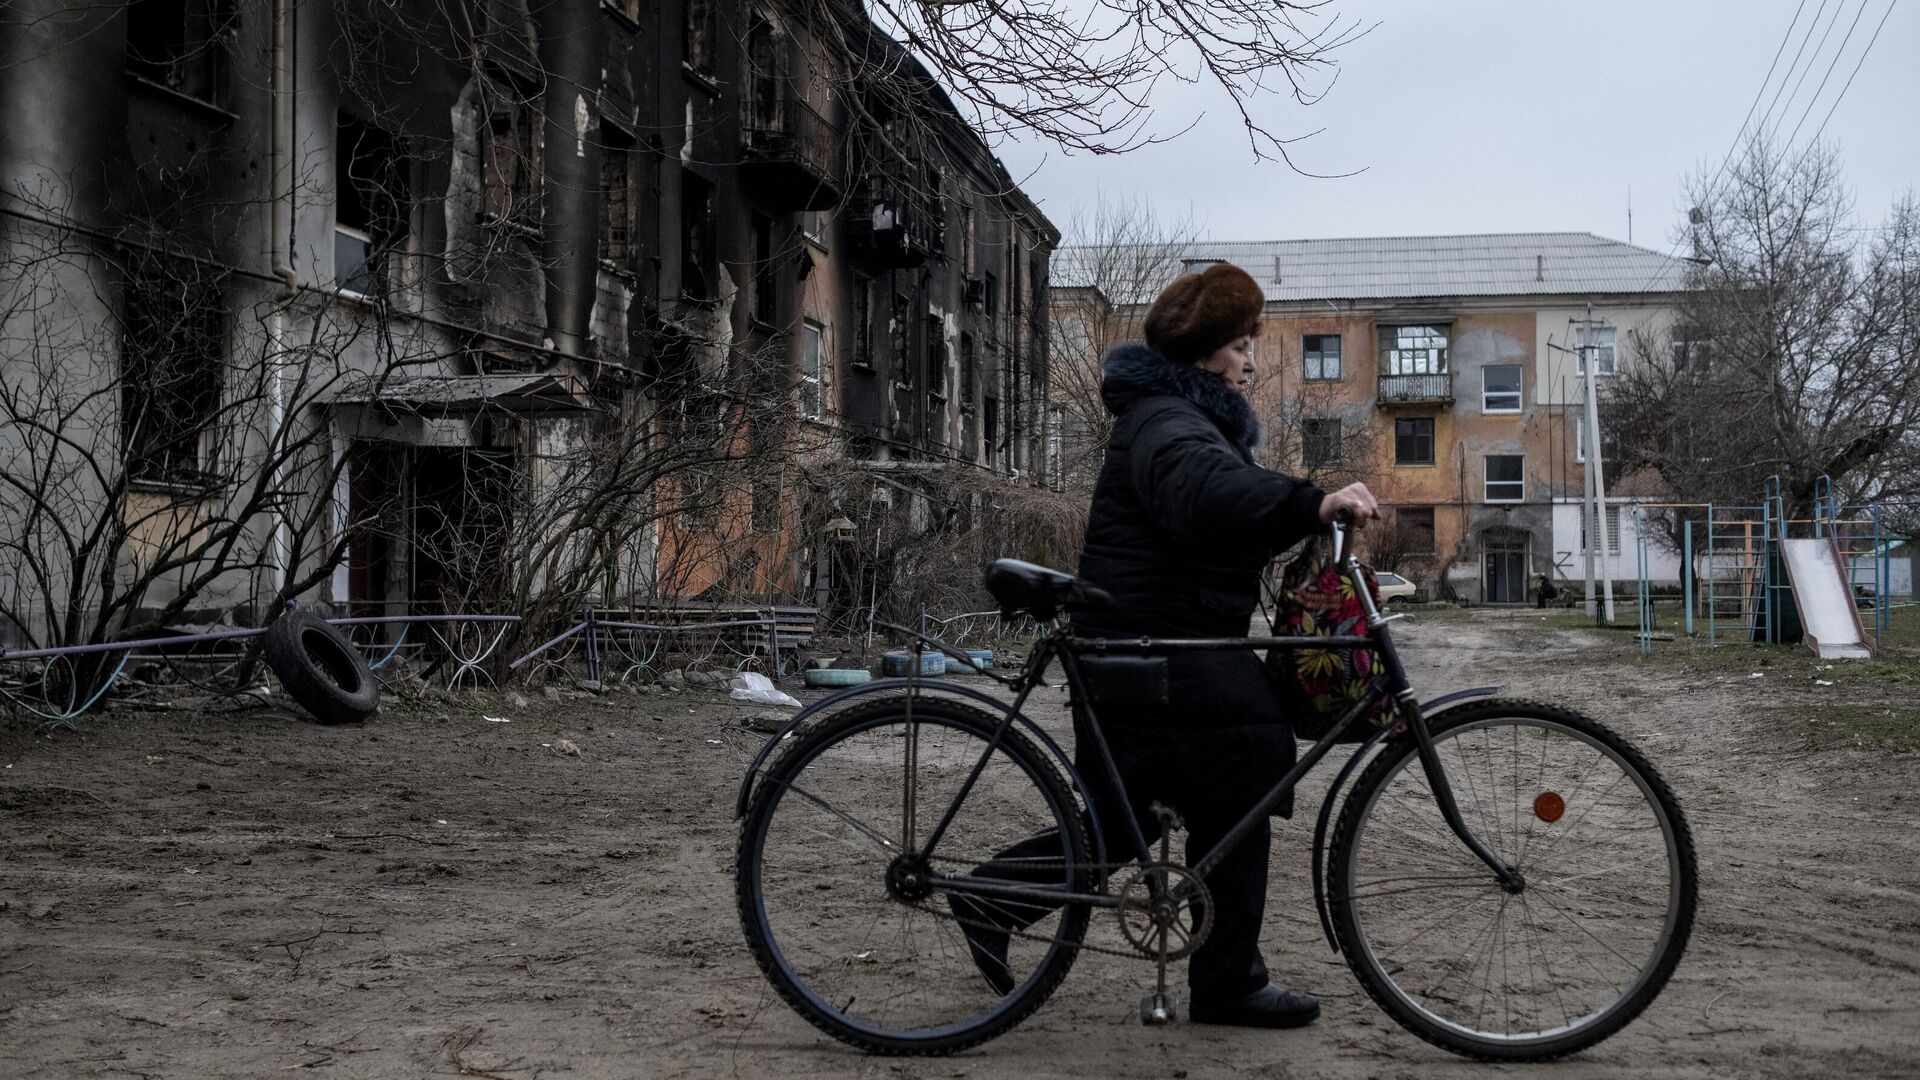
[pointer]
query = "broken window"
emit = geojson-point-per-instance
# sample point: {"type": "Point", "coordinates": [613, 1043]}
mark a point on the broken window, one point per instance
{"type": "Point", "coordinates": [1320, 442]}
{"type": "Point", "coordinates": [696, 238]}
{"type": "Point", "coordinates": [1320, 357]}
{"type": "Point", "coordinates": [968, 263]}
{"type": "Point", "coordinates": [863, 321]}
{"type": "Point", "coordinates": [1413, 350]}
{"type": "Point", "coordinates": [512, 163]}
{"type": "Point", "coordinates": [616, 196]}
{"type": "Point", "coordinates": [936, 359]}
{"type": "Point", "coordinates": [969, 364]}
{"type": "Point", "coordinates": [1506, 478]}
{"type": "Point", "coordinates": [1500, 388]}
{"type": "Point", "coordinates": [700, 36]}
{"type": "Point", "coordinates": [900, 332]}
{"type": "Point", "coordinates": [766, 288]}
{"type": "Point", "coordinates": [1597, 340]}
{"type": "Point", "coordinates": [373, 201]}
{"type": "Point", "coordinates": [172, 352]}
{"type": "Point", "coordinates": [1413, 441]}
{"type": "Point", "coordinates": [181, 44]}
{"type": "Point", "coordinates": [990, 428]}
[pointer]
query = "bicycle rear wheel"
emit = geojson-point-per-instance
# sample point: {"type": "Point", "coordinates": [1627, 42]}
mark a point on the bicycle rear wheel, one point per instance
{"type": "Point", "coordinates": [1590, 938]}
{"type": "Point", "coordinates": [833, 887]}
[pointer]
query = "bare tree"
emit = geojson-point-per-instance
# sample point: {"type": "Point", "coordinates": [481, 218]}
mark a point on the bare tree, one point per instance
{"type": "Point", "coordinates": [1794, 351]}
{"type": "Point", "coordinates": [1118, 258]}
{"type": "Point", "coordinates": [1083, 77]}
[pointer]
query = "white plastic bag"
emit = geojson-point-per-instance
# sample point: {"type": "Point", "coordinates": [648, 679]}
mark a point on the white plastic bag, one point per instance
{"type": "Point", "coordinates": [757, 688]}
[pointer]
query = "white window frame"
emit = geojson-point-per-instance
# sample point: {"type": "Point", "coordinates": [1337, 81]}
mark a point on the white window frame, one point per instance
{"type": "Point", "coordinates": [1518, 394]}
{"type": "Point", "coordinates": [812, 390]}
{"type": "Point", "coordinates": [1605, 340]}
{"type": "Point", "coordinates": [1487, 483]}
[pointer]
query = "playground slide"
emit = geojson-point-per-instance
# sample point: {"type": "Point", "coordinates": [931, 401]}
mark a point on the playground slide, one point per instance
{"type": "Point", "coordinates": [1825, 601]}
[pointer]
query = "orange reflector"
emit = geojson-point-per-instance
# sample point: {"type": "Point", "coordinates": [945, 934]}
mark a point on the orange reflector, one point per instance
{"type": "Point", "coordinates": [1548, 806]}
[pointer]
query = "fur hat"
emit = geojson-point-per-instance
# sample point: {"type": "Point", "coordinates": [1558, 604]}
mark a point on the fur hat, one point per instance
{"type": "Point", "coordinates": [1199, 313]}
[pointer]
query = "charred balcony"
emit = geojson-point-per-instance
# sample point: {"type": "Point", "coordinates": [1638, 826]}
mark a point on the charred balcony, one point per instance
{"type": "Point", "coordinates": [790, 156]}
{"type": "Point", "coordinates": [897, 224]}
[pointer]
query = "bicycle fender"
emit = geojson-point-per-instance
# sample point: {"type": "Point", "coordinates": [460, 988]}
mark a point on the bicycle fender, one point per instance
{"type": "Point", "coordinates": [1427, 709]}
{"type": "Point", "coordinates": [1026, 723]}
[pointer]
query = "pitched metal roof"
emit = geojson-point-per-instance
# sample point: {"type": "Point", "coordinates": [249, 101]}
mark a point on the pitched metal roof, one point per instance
{"type": "Point", "coordinates": [1401, 267]}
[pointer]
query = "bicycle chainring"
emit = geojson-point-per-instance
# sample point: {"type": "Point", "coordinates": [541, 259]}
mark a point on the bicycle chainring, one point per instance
{"type": "Point", "coordinates": [1164, 904]}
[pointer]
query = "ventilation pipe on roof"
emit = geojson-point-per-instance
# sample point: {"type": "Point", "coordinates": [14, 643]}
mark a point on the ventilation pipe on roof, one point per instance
{"type": "Point", "coordinates": [1539, 268]}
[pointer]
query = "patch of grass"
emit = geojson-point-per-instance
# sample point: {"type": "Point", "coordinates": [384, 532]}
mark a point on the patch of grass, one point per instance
{"type": "Point", "coordinates": [1891, 726]}
{"type": "Point", "coordinates": [1903, 628]}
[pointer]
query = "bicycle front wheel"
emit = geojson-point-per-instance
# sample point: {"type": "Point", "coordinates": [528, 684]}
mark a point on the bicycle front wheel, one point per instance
{"type": "Point", "coordinates": [842, 904]}
{"type": "Point", "coordinates": [1597, 924]}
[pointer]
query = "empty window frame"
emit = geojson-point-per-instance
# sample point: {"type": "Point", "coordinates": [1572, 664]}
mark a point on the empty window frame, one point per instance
{"type": "Point", "coordinates": [1413, 349]}
{"type": "Point", "coordinates": [1506, 478]}
{"type": "Point", "coordinates": [862, 321]}
{"type": "Point", "coordinates": [1320, 357]}
{"type": "Point", "coordinates": [936, 358]}
{"type": "Point", "coordinates": [1500, 388]}
{"type": "Point", "coordinates": [1597, 341]}
{"type": "Point", "coordinates": [969, 370]}
{"type": "Point", "coordinates": [512, 163]}
{"type": "Point", "coordinates": [181, 45]}
{"type": "Point", "coordinates": [766, 284]}
{"type": "Point", "coordinates": [1413, 440]}
{"type": "Point", "coordinates": [172, 363]}
{"type": "Point", "coordinates": [616, 197]}
{"type": "Point", "coordinates": [372, 203]}
{"type": "Point", "coordinates": [701, 35]}
{"type": "Point", "coordinates": [1320, 442]}
{"type": "Point", "coordinates": [697, 277]}
{"type": "Point", "coordinates": [1691, 350]}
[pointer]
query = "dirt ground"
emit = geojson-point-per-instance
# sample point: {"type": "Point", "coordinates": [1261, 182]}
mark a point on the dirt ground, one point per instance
{"type": "Point", "coordinates": [209, 894]}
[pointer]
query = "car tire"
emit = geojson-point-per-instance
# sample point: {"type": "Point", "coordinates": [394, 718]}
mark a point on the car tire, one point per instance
{"type": "Point", "coordinates": [321, 670]}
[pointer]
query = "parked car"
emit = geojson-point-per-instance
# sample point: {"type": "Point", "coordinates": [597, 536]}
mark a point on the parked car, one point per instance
{"type": "Point", "coordinates": [1395, 589]}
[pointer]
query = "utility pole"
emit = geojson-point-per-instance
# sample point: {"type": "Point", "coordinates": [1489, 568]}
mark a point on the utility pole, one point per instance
{"type": "Point", "coordinates": [1593, 495]}
{"type": "Point", "coordinates": [1596, 476]}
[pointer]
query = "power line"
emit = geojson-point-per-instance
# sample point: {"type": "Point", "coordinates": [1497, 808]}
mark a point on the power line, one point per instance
{"type": "Point", "coordinates": [1804, 38]}
{"type": "Point", "coordinates": [1666, 265]}
{"type": "Point", "coordinates": [1769, 116]}
{"type": "Point", "coordinates": [1856, 70]}
{"type": "Point", "coordinates": [1831, 64]}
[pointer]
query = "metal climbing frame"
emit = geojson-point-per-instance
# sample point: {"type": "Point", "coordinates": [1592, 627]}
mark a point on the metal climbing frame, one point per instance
{"type": "Point", "coordinates": [1738, 542]}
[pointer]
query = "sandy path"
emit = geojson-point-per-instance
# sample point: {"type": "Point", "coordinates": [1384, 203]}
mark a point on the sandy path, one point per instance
{"type": "Point", "coordinates": [205, 895]}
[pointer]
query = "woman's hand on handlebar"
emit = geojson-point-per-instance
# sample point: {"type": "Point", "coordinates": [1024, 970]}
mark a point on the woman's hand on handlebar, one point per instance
{"type": "Point", "coordinates": [1355, 499]}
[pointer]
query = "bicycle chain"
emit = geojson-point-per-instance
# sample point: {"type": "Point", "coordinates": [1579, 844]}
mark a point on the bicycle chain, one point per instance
{"type": "Point", "coordinates": [1082, 945]}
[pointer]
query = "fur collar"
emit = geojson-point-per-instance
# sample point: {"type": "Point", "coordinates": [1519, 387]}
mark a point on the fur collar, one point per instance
{"type": "Point", "coordinates": [1133, 371]}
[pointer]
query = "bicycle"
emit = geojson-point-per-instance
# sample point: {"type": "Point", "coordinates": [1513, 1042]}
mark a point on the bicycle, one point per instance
{"type": "Point", "coordinates": [1501, 938]}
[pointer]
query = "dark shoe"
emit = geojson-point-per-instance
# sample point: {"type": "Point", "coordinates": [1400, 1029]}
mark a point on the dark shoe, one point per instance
{"type": "Point", "coordinates": [1268, 1007]}
{"type": "Point", "coordinates": [988, 946]}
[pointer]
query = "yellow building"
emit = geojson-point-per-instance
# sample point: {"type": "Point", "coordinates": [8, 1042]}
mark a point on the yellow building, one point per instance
{"type": "Point", "coordinates": [1443, 372]}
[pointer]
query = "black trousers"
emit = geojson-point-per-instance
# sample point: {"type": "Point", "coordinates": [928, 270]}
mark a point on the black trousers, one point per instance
{"type": "Point", "coordinates": [1228, 963]}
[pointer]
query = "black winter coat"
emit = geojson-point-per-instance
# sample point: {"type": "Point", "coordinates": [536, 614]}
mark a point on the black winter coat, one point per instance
{"type": "Point", "coordinates": [1182, 524]}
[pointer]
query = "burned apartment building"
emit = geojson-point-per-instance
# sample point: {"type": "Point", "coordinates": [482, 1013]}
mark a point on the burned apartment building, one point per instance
{"type": "Point", "coordinates": [412, 306]}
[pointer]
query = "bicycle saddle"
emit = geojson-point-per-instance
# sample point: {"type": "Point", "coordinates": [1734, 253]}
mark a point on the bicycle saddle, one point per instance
{"type": "Point", "coordinates": [1023, 586]}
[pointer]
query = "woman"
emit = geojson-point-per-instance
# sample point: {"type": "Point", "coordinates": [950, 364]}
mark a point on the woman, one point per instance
{"type": "Point", "coordinates": [1181, 526]}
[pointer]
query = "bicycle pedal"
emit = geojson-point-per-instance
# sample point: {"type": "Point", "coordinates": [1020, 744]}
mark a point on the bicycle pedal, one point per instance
{"type": "Point", "coordinates": [1157, 1009]}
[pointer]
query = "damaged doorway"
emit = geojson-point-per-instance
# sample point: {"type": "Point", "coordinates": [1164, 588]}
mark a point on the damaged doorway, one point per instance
{"type": "Point", "coordinates": [461, 528]}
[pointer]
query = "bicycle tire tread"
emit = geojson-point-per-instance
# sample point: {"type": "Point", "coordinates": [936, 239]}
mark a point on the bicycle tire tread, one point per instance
{"type": "Point", "coordinates": [824, 729]}
{"type": "Point", "coordinates": [1575, 1041]}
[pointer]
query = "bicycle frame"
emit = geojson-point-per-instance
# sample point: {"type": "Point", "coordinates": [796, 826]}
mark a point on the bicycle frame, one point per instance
{"type": "Point", "coordinates": [1067, 649]}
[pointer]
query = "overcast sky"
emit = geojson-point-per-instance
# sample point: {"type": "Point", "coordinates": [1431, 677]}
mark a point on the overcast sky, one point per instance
{"type": "Point", "coordinates": [1518, 116]}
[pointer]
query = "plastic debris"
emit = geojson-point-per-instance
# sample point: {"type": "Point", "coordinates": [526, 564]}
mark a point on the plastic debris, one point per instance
{"type": "Point", "coordinates": [495, 719]}
{"type": "Point", "coordinates": [757, 688]}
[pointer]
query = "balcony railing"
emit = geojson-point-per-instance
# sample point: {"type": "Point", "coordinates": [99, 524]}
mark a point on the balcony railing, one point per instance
{"type": "Point", "coordinates": [1416, 389]}
{"type": "Point", "coordinates": [791, 155]}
